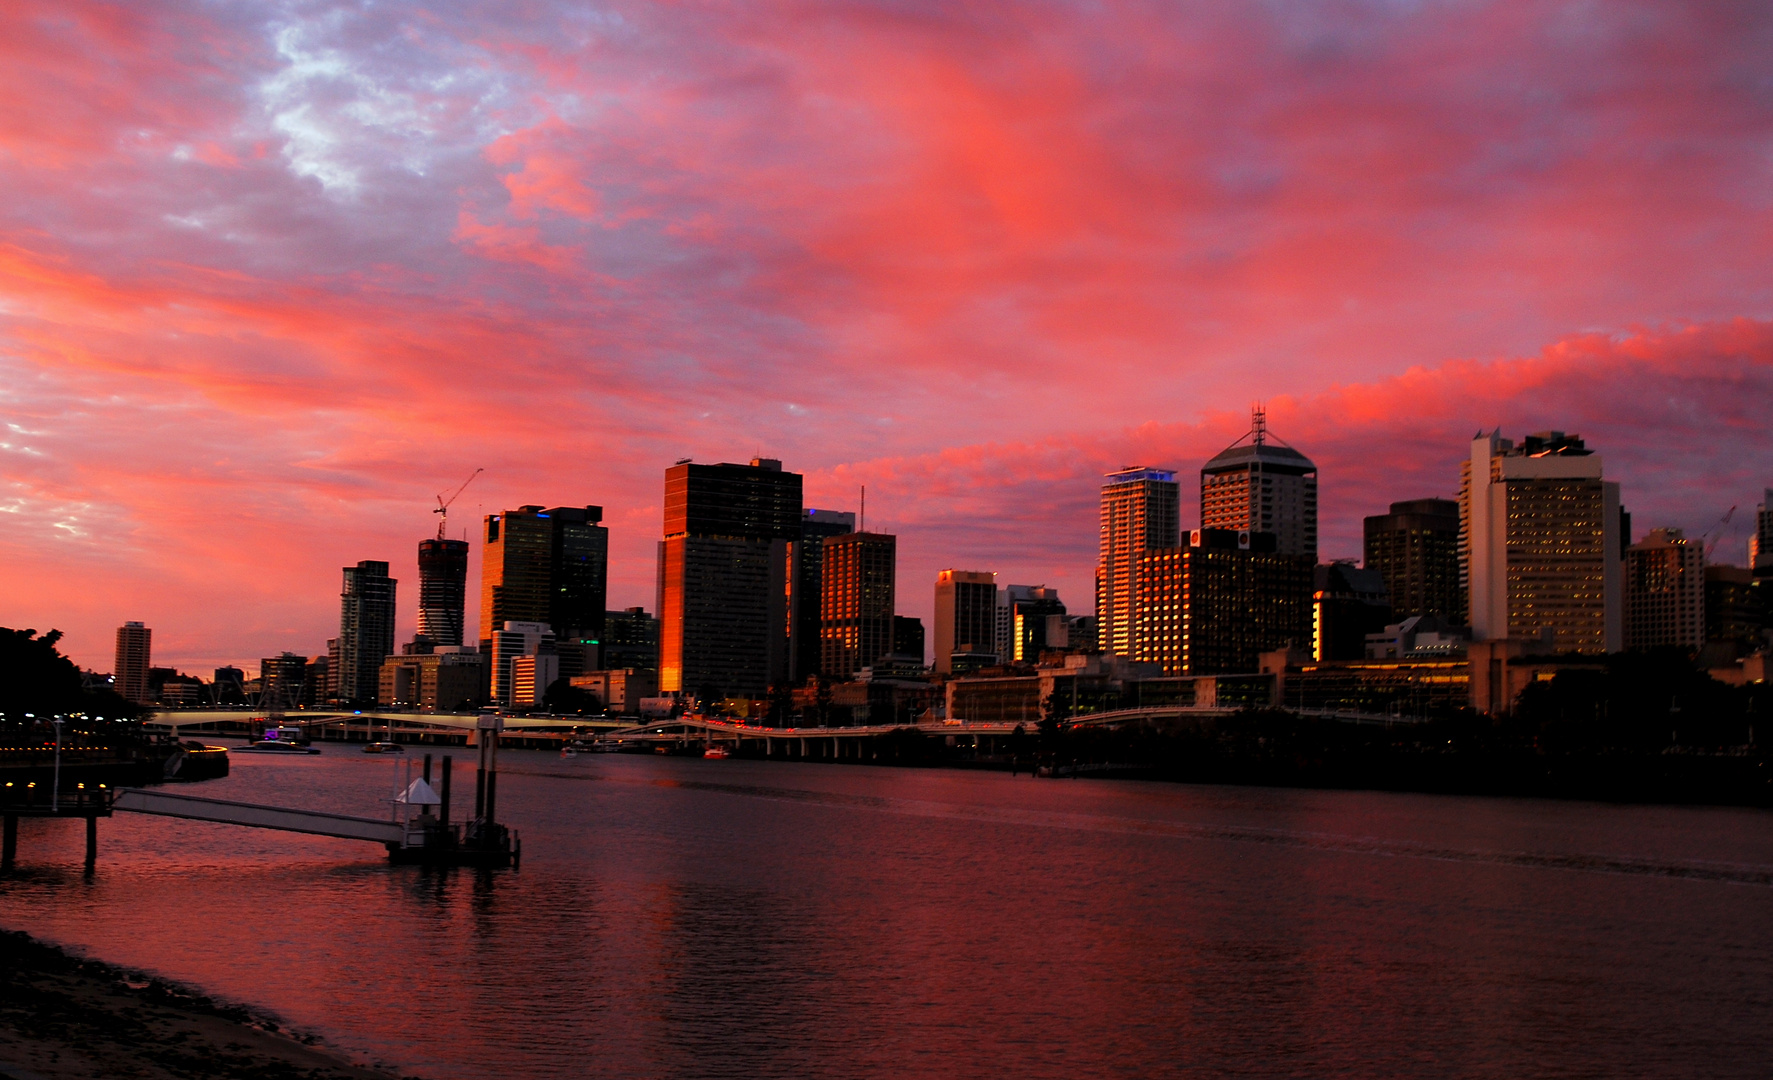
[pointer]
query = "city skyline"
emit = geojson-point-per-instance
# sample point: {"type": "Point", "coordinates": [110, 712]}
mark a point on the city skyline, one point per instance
{"type": "Point", "coordinates": [258, 313]}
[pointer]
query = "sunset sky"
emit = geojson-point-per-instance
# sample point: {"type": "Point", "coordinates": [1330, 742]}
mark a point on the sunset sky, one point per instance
{"type": "Point", "coordinates": [274, 275]}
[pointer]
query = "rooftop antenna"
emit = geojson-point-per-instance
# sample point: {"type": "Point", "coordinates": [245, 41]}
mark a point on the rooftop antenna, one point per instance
{"type": "Point", "coordinates": [442, 510]}
{"type": "Point", "coordinates": [1259, 422]}
{"type": "Point", "coordinates": [864, 527]}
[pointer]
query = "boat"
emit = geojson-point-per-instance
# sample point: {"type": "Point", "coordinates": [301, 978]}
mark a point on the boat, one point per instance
{"type": "Point", "coordinates": [605, 746]}
{"type": "Point", "coordinates": [717, 752]}
{"type": "Point", "coordinates": [277, 746]}
{"type": "Point", "coordinates": [383, 748]}
{"type": "Point", "coordinates": [569, 750]}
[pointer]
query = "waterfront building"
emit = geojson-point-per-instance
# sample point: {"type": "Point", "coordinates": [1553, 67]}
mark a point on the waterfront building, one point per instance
{"type": "Point", "coordinates": [966, 617]}
{"type": "Point", "coordinates": [908, 638]}
{"type": "Point", "coordinates": [1733, 615]}
{"type": "Point", "coordinates": [806, 567]}
{"type": "Point", "coordinates": [578, 584]}
{"type": "Point", "coordinates": [1347, 604]}
{"type": "Point", "coordinates": [1415, 548]}
{"type": "Point", "coordinates": [1665, 592]}
{"type": "Point", "coordinates": [856, 610]}
{"type": "Point", "coordinates": [514, 640]}
{"type": "Point", "coordinates": [1030, 619]}
{"type": "Point", "coordinates": [1216, 605]}
{"type": "Point", "coordinates": [283, 682]}
{"type": "Point", "coordinates": [443, 590]}
{"type": "Point", "coordinates": [134, 656]}
{"type": "Point", "coordinates": [1262, 485]}
{"type": "Point", "coordinates": [448, 678]}
{"type": "Point", "coordinates": [723, 621]}
{"type": "Point", "coordinates": [619, 690]}
{"type": "Point", "coordinates": [1543, 545]}
{"type": "Point", "coordinates": [531, 676]}
{"type": "Point", "coordinates": [516, 558]}
{"type": "Point", "coordinates": [630, 640]}
{"type": "Point", "coordinates": [366, 631]}
{"type": "Point", "coordinates": [1140, 512]}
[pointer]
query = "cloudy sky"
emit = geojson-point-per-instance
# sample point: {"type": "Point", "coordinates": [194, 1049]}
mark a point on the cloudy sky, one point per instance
{"type": "Point", "coordinates": [274, 275]}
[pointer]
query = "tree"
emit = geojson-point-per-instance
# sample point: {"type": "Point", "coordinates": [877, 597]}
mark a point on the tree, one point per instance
{"type": "Point", "coordinates": [36, 678]}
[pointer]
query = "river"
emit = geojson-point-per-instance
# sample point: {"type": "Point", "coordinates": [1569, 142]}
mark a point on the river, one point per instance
{"type": "Point", "coordinates": [678, 917]}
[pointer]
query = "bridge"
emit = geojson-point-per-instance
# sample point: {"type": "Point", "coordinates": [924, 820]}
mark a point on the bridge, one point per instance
{"type": "Point", "coordinates": [857, 743]}
{"type": "Point", "coordinates": [421, 728]}
{"type": "Point", "coordinates": [1198, 713]}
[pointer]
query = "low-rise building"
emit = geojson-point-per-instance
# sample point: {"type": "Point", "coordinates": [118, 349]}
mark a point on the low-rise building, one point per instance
{"type": "Point", "coordinates": [449, 679]}
{"type": "Point", "coordinates": [619, 690]}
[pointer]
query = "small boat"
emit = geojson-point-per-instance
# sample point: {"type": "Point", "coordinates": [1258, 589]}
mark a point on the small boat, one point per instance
{"type": "Point", "coordinates": [569, 750]}
{"type": "Point", "coordinates": [605, 746]}
{"type": "Point", "coordinates": [383, 748]}
{"type": "Point", "coordinates": [717, 752]}
{"type": "Point", "coordinates": [277, 746]}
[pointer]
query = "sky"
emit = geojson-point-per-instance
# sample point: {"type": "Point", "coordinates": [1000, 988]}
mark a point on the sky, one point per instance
{"type": "Point", "coordinates": [275, 275]}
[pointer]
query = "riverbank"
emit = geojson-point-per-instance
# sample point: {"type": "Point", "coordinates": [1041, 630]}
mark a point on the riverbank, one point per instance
{"type": "Point", "coordinates": [65, 1018]}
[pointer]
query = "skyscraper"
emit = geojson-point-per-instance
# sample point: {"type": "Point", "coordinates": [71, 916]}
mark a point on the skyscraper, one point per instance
{"type": "Point", "coordinates": [443, 590]}
{"type": "Point", "coordinates": [806, 560]}
{"type": "Point", "coordinates": [1214, 606]}
{"type": "Point", "coordinates": [723, 623]}
{"type": "Point", "coordinates": [366, 630]}
{"type": "Point", "coordinates": [1030, 618]}
{"type": "Point", "coordinates": [1542, 542]}
{"type": "Point", "coordinates": [1262, 486]}
{"type": "Point", "coordinates": [515, 570]}
{"type": "Point", "coordinates": [1140, 512]}
{"type": "Point", "coordinates": [966, 615]}
{"type": "Point", "coordinates": [134, 654]}
{"type": "Point", "coordinates": [578, 584]}
{"type": "Point", "coordinates": [1415, 548]}
{"type": "Point", "coordinates": [1760, 542]}
{"type": "Point", "coordinates": [1665, 592]}
{"type": "Point", "coordinates": [856, 612]}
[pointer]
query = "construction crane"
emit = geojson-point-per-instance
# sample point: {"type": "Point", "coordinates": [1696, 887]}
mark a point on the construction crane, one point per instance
{"type": "Point", "coordinates": [1716, 532]}
{"type": "Point", "coordinates": [442, 510]}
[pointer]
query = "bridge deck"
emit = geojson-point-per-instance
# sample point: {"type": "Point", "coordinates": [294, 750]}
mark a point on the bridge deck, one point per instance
{"type": "Point", "coordinates": [314, 822]}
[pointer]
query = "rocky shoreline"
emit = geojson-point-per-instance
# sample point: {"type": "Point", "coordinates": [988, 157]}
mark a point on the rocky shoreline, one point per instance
{"type": "Point", "coordinates": [67, 1018]}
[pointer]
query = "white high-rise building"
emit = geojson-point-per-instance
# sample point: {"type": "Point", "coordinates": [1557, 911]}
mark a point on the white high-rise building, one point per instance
{"type": "Point", "coordinates": [1541, 542]}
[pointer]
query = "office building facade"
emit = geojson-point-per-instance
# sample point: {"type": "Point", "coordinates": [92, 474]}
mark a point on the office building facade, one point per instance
{"type": "Point", "coordinates": [366, 631]}
{"type": "Point", "coordinates": [1215, 606]}
{"type": "Point", "coordinates": [723, 620]}
{"type": "Point", "coordinates": [1415, 549]}
{"type": "Point", "coordinates": [856, 610]}
{"type": "Point", "coordinates": [1141, 511]}
{"type": "Point", "coordinates": [1665, 592]}
{"type": "Point", "coordinates": [806, 567]}
{"type": "Point", "coordinates": [908, 638]}
{"type": "Point", "coordinates": [443, 590]}
{"type": "Point", "coordinates": [1542, 545]}
{"type": "Point", "coordinates": [578, 584]}
{"type": "Point", "coordinates": [1347, 604]}
{"type": "Point", "coordinates": [1030, 620]}
{"type": "Point", "coordinates": [1262, 485]}
{"type": "Point", "coordinates": [1733, 615]}
{"type": "Point", "coordinates": [966, 616]}
{"type": "Point", "coordinates": [512, 641]}
{"type": "Point", "coordinates": [135, 649]}
{"type": "Point", "coordinates": [516, 557]}
{"type": "Point", "coordinates": [449, 679]}
{"type": "Point", "coordinates": [1760, 541]}
{"type": "Point", "coordinates": [630, 640]}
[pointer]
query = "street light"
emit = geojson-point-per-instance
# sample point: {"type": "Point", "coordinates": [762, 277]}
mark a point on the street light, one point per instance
{"type": "Point", "coordinates": [55, 795]}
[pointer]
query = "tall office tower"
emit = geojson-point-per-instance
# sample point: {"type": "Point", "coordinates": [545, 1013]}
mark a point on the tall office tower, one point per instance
{"type": "Point", "coordinates": [1540, 531]}
{"type": "Point", "coordinates": [1415, 548]}
{"type": "Point", "coordinates": [1665, 592]}
{"type": "Point", "coordinates": [1760, 542]}
{"type": "Point", "coordinates": [515, 570]}
{"type": "Point", "coordinates": [723, 626]}
{"type": "Point", "coordinates": [366, 631]}
{"type": "Point", "coordinates": [908, 637]}
{"type": "Point", "coordinates": [806, 563]}
{"type": "Point", "coordinates": [134, 651]}
{"type": "Point", "coordinates": [1140, 512]}
{"type": "Point", "coordinates": [443, 590]}
{"type": "Point", "coordinates": [1029, 618]}
{"type": "Point", "coordinates": [1215, 606]}
{"type": "Point", "coordinates": [630, 640]}
{"type": "Point", "coordinates": [511, 641]}
{"type": "Point", "coordinates": [1262, 486]}
{"type": "Point", "coordinates": [856, 609]}
{"type": "Point", "coordinates": [966, 615]}
{"type": "Point", "coordinates": [578, 585]}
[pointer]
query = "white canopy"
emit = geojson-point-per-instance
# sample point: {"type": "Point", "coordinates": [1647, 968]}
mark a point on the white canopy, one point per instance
{"type": "Point", "coordinates": [419, 793]}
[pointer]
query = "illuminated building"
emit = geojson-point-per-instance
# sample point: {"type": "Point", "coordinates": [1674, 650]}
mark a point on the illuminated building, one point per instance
{"type": "Point", "coordinates": [366, 631]}
{"type": "Point", "coordinates": [966, 617]}
{"type": "Point", "coordinates": [1140, 513]}
{"type": "Point", "coordinates": [1665, 592]}
{"type": "Point", "coordinates": [134, 655]}
{"type": "Point", "coordinates": [1030, 618]}
{"type": "Point", "coordinates": [1415, 548]}
{"type": "Point", "coordinates": [1760, 542]}
{"type": "Point", "coordinates": [1215, 606]}
{"type": "Point", "coordinates": [1542, 539]}
{"type": "Point", "coordinates": [1347, 604]}
{"type": "Point", "coordinates": [1733, 616]}
{"type": "Point", "coordinates": [806, 558]}
{"type": "Point", "coordinates": [578, 584]}
{"type": "Point", "coordinates": [515, 568]}
{"type": "Point", "coordinates": [856, 611]}
{"type": "Point", "coordinates": [449, 679]}
{"type": "Point", "coordinates": [1262, 486]}
{"type": "Point", "coordinates": [443, 590]}
{"type": "Point", "coordinates": [723, 620]}
{"type": "Point", "coordinates": [511, 642]}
